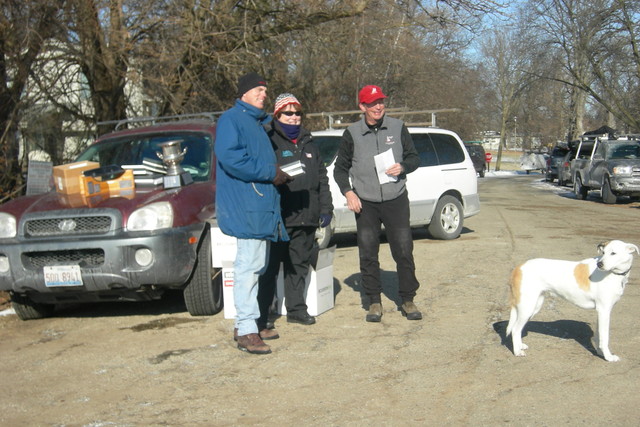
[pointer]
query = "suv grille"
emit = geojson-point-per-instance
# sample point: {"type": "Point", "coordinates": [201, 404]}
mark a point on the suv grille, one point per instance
{"type": "Point", "coordinates": [87, 258]}
{"type": "Point", "coordinates": [68, 226]}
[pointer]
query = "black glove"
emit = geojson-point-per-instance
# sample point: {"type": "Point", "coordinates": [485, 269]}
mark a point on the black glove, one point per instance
{"type": "Point", "coordinates": [325, 220]}
{"type": "Point", "coordinates": [281, 177]}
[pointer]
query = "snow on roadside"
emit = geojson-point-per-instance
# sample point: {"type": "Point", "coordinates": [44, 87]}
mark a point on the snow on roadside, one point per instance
{"type": "Point", "coordinates": [7, 312]}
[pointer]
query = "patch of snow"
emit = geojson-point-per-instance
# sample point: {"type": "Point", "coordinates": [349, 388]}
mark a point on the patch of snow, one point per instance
{"type": "Point", "coordinates": [7, 312]}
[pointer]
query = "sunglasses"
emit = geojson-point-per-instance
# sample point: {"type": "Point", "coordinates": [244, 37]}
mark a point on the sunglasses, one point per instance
{"type": "Point", "coordinates": [291, 113]}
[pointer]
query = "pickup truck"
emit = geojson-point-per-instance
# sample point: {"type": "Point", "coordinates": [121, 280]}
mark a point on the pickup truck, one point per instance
{"type": "Point", "coordinates": [60, 248]}
{"type": "Point", "coordinates": [613, 167]}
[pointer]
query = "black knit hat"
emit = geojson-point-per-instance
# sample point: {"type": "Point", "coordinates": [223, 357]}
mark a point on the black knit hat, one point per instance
{"type": "Point", "coordinates": [248, 82]}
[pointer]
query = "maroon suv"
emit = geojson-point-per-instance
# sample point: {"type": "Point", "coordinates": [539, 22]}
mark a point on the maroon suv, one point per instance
{"type": "Point", "coordinates": [127, 247]}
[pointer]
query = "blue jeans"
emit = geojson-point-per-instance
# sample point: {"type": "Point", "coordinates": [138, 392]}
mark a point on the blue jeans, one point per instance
{"type": "Point", "coordinates": [251, 260]}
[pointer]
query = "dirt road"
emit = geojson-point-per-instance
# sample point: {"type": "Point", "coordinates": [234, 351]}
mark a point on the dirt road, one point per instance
{"type": "Point", "coordinates": [154, 364]}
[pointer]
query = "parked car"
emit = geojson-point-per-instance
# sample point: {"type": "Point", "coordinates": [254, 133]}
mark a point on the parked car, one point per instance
{"type": "Point", "coordinates": [554, 162]}
{"type": "Point", "coordinates": [68, 248]}
{"type": "Point", "coordinates": [565, 176]}
{"type": "Point", "coordinates": [613, 168]}
{"type": "Point", "coordinates": [443, 191]}
{"type": "Point", "coordinates": [530, 161]}
{"type": "Point", "coordinates": [476, 151]}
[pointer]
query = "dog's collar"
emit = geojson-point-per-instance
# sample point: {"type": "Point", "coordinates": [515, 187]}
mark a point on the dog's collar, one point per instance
{"type": "Point", "coordinates": [622, 274]}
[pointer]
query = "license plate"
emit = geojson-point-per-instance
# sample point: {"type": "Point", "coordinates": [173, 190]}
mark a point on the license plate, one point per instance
{"type": "Point", "coordinates": [62, 275]}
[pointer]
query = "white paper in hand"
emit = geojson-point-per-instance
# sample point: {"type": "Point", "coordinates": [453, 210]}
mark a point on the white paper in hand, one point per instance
{"type": "Point", "coordinates": [383, 162]}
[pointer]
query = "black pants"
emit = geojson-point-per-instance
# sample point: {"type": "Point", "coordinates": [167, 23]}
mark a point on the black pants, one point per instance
{"type": "Point", "coordinates": [394, 214]}
{"type": "Point", "coordinates": [295, 255]}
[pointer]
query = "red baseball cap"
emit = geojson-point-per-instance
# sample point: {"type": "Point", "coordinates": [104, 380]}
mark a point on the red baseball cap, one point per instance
{"type": "Point", "coordinates": [370, 93]}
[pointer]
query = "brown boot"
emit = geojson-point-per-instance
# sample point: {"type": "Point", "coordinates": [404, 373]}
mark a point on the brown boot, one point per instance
{"type": "Point", "coordinates": [410, 311]}
{"type": "Point", "coordinates": [252, 343]}
{"type": "Point", "coordinates": [269, 334]}
{"type": "Point", "coordinates": [375, 312]}
{"type": "Point", "coordinates": [265, 334]}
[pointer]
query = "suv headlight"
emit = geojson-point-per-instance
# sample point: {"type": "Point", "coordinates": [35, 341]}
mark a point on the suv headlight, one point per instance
{"type": "Point", "coordinates": [151, 217]}
{"type": "Point", "coordinates": [7, 225]}
{"type": "Point", "coordinates": [622, 170]}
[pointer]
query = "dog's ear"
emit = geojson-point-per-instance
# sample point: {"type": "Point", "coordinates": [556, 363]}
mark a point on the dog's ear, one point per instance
{"type": "Point", "coordinates": [601, 247]}
{"type": "Point", "coordinates": [631, 247]}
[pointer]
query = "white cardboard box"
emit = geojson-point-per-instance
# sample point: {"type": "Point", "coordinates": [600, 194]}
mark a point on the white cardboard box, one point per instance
{"type": "Point", "coordinates": [318, 292]}
{"type": "Point", "coordinates": [227, 290]}
{"type": "Point", "coordinates": [223, 248]}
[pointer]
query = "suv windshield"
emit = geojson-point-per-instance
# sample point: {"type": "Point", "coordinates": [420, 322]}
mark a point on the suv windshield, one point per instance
{"type": "Point", "coordinates": [132, 149]}
{"type": "Point", "coordinates": [624, 150]}
{"type": "Point", "coordinates": [559, 152]}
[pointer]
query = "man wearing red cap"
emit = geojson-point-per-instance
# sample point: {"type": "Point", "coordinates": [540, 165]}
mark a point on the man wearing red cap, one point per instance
{"type": "Point", "coordinates": [379, 200]}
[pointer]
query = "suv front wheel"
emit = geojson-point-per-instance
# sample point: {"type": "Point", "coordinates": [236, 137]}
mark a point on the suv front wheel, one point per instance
{"type": "Point", "coordinates": [27, 309]}
{"type": "Point", "coordinates": [608, 196]}
{"type": "Point", "coordinates": [447, 220]}
{"type": "Point", "coordinates": [579, 190]}
{"type": "Point", "coordinates": [203, 294]}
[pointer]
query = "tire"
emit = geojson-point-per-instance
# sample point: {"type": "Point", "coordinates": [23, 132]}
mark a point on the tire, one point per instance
{"type": "Point", "coordinates": [203, 294]}
{"type": "Point", "coordinates": [324, 236]}
{"type": "Point", "coordinates": [481, 173]}
{"type": "Point", "coordinates": [26, 309]}
{"type": "Point", "coordinates": [446, 223]}
{"type": "Point", "coordinates": [579, 190]}
{"type": "Point", "coordinates": [607, 195]}
{"type": "Point", "coordinates": [561, 182]}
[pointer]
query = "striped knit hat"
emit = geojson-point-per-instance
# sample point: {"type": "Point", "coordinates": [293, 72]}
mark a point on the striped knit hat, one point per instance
{"type": "Point", "coordinates": [283, 100]}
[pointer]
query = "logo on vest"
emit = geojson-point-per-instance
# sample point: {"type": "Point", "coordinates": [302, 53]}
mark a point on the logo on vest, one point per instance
{"type": "Point", "coordinates": [390, 140]}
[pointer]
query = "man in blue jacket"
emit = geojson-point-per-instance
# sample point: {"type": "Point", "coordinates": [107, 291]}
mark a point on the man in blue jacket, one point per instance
{"type": "Point", "coordinates": [247, 201]}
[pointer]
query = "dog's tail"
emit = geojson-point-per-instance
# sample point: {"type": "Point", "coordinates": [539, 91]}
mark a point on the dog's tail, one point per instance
{"type": "Point", "coordinates": [512, 320]}
{"type": "Point", "coordinates": [514, 296]}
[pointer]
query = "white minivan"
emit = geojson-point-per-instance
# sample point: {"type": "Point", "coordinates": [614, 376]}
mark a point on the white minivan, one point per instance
{"type": "Point", "coordinates": [442, 191]}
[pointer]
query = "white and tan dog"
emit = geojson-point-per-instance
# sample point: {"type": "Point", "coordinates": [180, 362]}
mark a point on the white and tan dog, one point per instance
{"type": "Point", "coordinates": [591, 283]}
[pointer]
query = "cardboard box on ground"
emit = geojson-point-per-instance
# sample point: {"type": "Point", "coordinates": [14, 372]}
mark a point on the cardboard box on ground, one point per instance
{"type": "Point", "coordinates": [319, 285]}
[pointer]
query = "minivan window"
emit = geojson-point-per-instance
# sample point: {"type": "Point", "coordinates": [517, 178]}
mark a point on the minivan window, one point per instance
{"type": "Point", "coordinates": [425, 149]}
{"type": "Point", "coordinates": [328, 146]}
{"type": "Point", "coordinates": [447, 148]}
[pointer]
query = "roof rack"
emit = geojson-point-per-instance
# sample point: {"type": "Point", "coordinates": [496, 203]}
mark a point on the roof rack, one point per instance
{"type": "Point", "coordinates": [211, 116]}
{"type": "Point", "coordinates": [338, 121]}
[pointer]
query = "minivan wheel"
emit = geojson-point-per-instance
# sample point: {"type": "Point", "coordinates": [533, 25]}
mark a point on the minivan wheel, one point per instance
{"type": "Point", "coordinates": [447, 220]}
{"type": "Point", "coordinates": [203, 294]}
{"type": "Point", "coordinates": [325, 234]}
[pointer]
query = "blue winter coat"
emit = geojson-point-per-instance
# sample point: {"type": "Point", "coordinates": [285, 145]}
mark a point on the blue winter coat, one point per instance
{"type": "Point", "coordinates": [247, 202]}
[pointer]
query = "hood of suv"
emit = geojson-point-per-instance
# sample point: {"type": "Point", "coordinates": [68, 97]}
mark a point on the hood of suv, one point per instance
{"type": "Point", "coordinates": [190, 202]}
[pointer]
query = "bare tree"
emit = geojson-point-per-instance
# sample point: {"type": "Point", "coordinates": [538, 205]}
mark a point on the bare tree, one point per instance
{"type": "Point", "coordinates": [185, 56]}
{"type": "Point", "coordinates": [508, 62]}
{"type": "Point", "coordinates": [214, 42]}
{"type": "Point", "coordinates": [24, 30]}
{"type": "Point", "coordinates": [599, 42]}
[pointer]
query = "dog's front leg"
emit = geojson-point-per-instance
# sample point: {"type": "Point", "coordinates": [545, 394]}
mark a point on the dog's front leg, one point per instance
{"type": "Point", "coordinates": [602, 334]}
